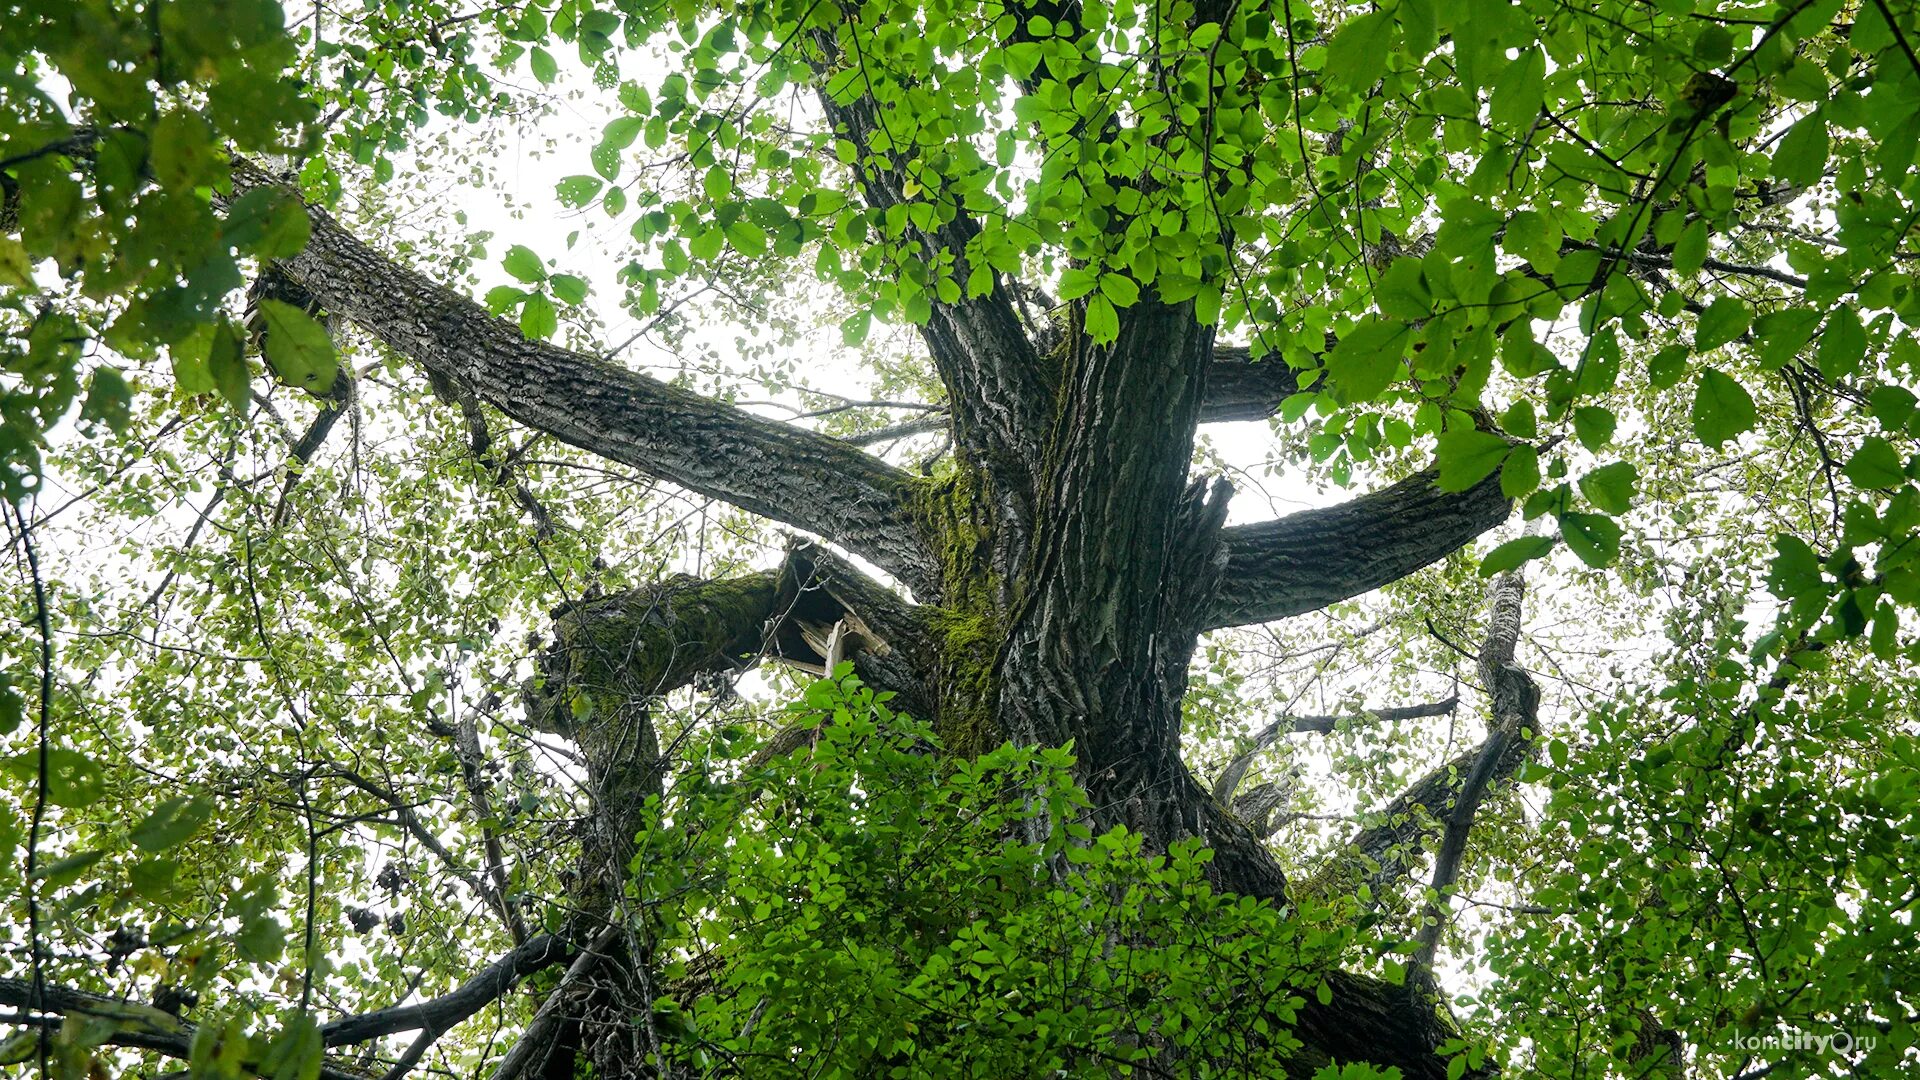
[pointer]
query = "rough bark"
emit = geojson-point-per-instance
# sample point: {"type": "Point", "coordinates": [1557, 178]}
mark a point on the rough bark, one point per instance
{"type": "Point", "coordinates": [1241, 388]}
{"type": "Point", "coordinates": [1123, 554]}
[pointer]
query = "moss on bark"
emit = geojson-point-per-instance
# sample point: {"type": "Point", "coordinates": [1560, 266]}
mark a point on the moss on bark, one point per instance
{"type": "Point", "coordinates": [955, 517]}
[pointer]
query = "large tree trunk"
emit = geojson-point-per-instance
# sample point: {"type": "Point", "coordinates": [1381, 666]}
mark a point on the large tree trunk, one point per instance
{"type": "Point", "coordinates": [1061, 574]}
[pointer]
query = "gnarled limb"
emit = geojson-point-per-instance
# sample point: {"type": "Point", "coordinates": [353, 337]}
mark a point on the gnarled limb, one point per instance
{"type": "Point", "coordinates": [1305, 561]}
{"type": "Point", "coordinates": [805, 479]}
{"type": "Point", "coordinates": [444, 1012]}
{"type": "Point", "coordinates": [1385, 853]}
{"type": "Point", "coordinates": [1515, 700]}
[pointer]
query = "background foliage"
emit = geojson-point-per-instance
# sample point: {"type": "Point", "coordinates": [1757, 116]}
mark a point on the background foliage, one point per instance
{"type": "Point", "coordinates": [1652, 264]}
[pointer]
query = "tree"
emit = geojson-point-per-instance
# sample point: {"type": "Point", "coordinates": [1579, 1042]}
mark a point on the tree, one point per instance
{"type": "Point", "coordinates": [1614, 273]}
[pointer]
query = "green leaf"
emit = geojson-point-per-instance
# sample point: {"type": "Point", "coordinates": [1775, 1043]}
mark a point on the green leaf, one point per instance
{"type": "Point", "coordinates": [1519, 91]}
{"type": "Point", "coordinates": [538, 318]}
{"type": "Point", "coordinates": [544, 66]}
{"type": "Point", "coordinates": [16, 266]}
{"type": "Point", "coordinates": [853, 329]}
{"type": "Point", "coordinates": [1667, 366]}
{"type": "Point", "coordinates": [567, 288]}
{"type": "Point", "coordinates": [747, 238]}
{"type": "Point", "coordinates": [1593, 426]}
{"type": "Point", "coordinates": [12, 715]}
{"type": "Point", "coordinates": [576, 191]}
{"type": "Point", "coordinates": [1876, 464]}
{"type": "Point", "coordinates": [1721, 408]}
{"type": "Point", "coordinates": [63, 872]}
{"type": "Point", "coordinates": [109, 399]}
{"type": "Point", "coordinates": [1103, 322]}
{"type": "Point", "coordinates": [1843, 344]}
{"type": "Point", "coordinates": [707, 244]}
{"type": "Point", "coordinates": [1368, 358]}
{"type": "Point", "coordinates": [1690, 251]}
{"type": "Point", "coordinates": [1803, 80]}
{"type": "Point", "coordinates": [1784, 334]}
{"type": "Point", "coordinates": [298, 348]}
{"type": "Point", "coordinates": [605, 160]}
{"type": "Point", "coordinates": [1714, 45]}
{"type": "Point", "coordinates": [1357, 55]}
{"type": "Point", "coordinates": [1513, 553]}
{"type": "Point", "coordinates": [1519, 420]}
{"type": "Point", "coordinates": [500, 298]}
{"type": "Point", "coordinates": [297, 1052]}
{"type": "Point", "coordinates": [1802, 154]}
{"type": "Point", "coordinates": [1468, 456]}
{"type": "Point", "coordinates": [1122, 290]}
{"type": "Point", "coordinates": [1535, 237]}
{"type": "Point", "coordinates": [172, 822]}
{"type": "Point", "coordinates": [1795, 569]}
{"type": "Point", "coordinates": [1610, 487]}
{"type": "Point", "coordinates": [523, 264]}
{"type": "Point", "coordinates": [153, 878]}
{"type": "Point", "coordinates": [1402, 291]}
{"type": "Point", "coordinates": [1520, 474]}
{"type": "Point", "coordinates": [269, 222]}
{"type": "Point", "coordinates": [261, 940]}
{"type": "Point", "coordinates": [1595, 538]}
{"type": "Point", "coordinates": [1893, 406]}
{"type": "Point", "coordinates": [74, 780]}
{"type": "Point", "coordinates": [227, 366]}
{"type": "Point", "coordinates": [621, 131]}
{"type": "Point", "coordinates": [1724, 320]}
{"type": "Point", "coordinates": [184, 153]}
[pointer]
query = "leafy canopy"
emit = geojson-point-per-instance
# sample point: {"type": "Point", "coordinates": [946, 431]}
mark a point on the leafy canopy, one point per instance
{"type": "Point", "coordinates": [1598, 252]}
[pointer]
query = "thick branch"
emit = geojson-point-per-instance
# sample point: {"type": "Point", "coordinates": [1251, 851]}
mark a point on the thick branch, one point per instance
{"type": "Point", "coordinates": [1000, 389]}
{"type": "Point", "coordinates": [1238, 388]}
{"type": "Point", "coordinates": [799, 477]}
{"type": "Point", "coordinates": [648, 641]}
{"type": "Point", "coordinates": [1241, 388]}
{"type": "Point", "coordinates": [442, 1013]}
{"type": "Point", "coordinates": [134, 1025]}
{"type": "Point", "coordinates": [1305, 561]}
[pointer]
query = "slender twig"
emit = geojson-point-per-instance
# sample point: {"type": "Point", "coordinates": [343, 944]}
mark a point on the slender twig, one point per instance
{"type": "Point", "coordinates": [37, 998]}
